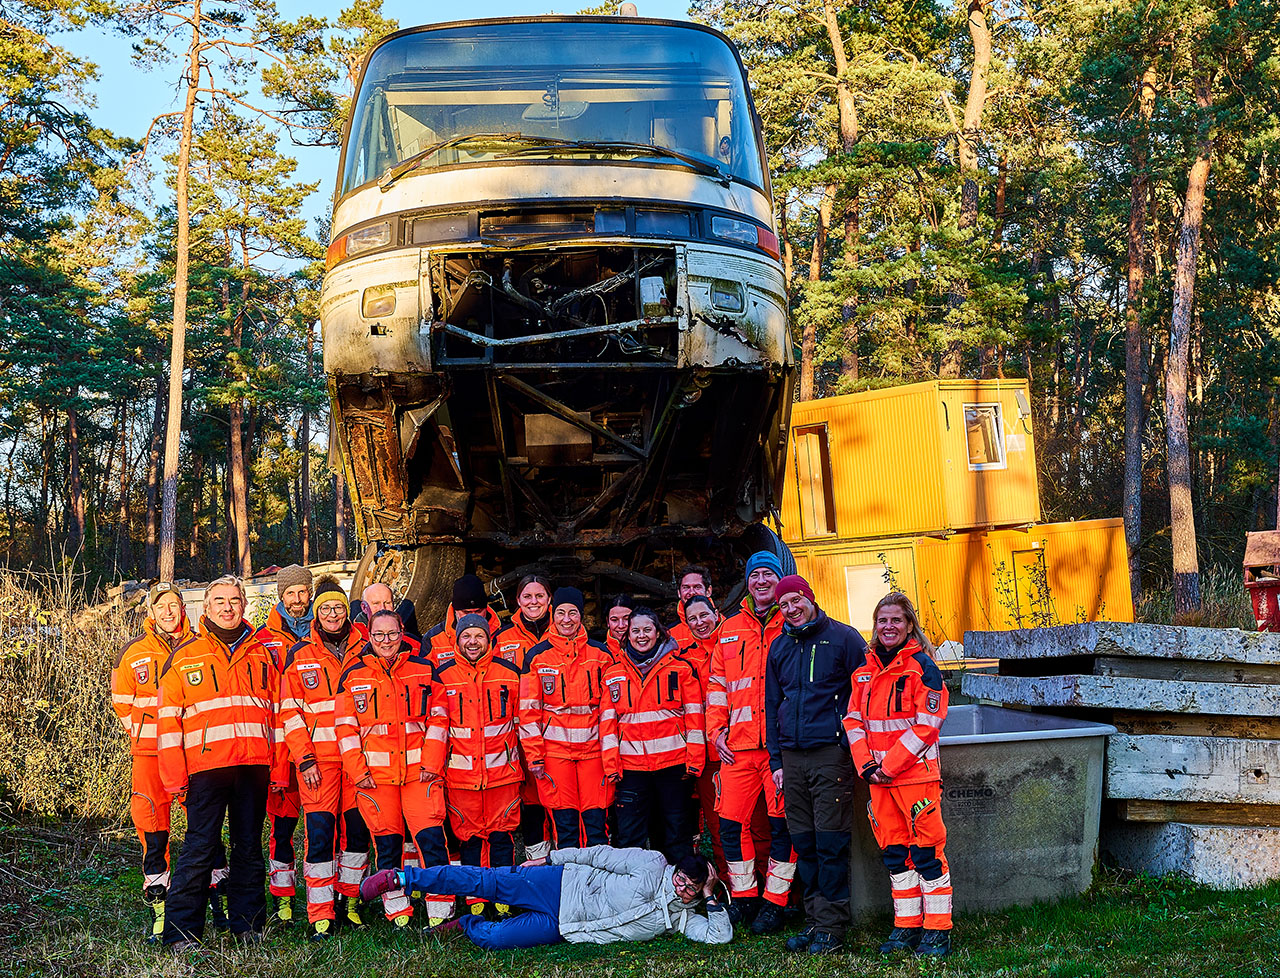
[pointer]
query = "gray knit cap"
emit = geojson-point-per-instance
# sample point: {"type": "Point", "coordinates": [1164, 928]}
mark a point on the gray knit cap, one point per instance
{"type": "Point", "coordinates": [287, 577]}
{"type": "Point", "coordinates": [470, 621]}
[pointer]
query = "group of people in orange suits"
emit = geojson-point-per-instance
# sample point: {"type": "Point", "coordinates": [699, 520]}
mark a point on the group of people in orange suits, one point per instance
{"type": "Point", "coordinates": [481, 735]}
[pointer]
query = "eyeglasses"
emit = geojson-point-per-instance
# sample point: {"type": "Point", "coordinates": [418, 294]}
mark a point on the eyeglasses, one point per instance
{"type": "Point", "coordinates": [331, 611]}
{"type": "Point", "coordinates": [385, 636]}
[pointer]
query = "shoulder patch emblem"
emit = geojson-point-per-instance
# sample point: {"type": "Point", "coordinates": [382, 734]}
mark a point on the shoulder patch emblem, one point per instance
{"type": "Point", "coordinates": [933, 701]}
{"type": "Point", "coordinates": [310, 678]}
{"type": "Point", "coordinates": [615, 690]}
{"type": "Point", "coordinates": [362, 701]}
{"type": "Point", "coordinates": [195, 676]}
{"type": "Point", "coordinates": [548, 683]}
{"type": "Point", "coordinates": [142, 671]}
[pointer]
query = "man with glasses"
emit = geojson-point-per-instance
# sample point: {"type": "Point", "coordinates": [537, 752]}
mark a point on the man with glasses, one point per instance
{"type": "Point", "coordinates": [599, 895]}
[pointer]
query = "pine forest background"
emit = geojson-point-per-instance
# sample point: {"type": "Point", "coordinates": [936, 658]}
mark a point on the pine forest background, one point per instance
{"type": "Point", "coordinates": [1084, 193]}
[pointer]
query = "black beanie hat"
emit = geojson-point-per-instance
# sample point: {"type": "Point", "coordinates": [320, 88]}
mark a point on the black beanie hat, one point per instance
{"type": "Point", "coordinates": [326, 589]}
{"type": "Point", "coordinates": [468, 592]}
{"type": "Point", "coordinates": [568, 595]}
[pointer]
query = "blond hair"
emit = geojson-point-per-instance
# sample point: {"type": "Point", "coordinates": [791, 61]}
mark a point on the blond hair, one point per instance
{"type": "Point", "coordinates": [909, 610]}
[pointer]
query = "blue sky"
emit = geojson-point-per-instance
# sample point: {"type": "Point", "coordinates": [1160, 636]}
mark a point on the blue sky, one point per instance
{"type": "Point", "coordinates": [128, 98]}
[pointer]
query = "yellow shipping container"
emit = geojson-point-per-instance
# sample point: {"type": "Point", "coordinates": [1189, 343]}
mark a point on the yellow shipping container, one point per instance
{"type": "Point", "coordinates": [922, 458]}
{"type": "Point", "coordinates": [931, 489]}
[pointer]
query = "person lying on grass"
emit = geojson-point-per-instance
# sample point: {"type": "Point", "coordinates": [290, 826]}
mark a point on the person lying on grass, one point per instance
{"type": "Point", "coordinates": [597, 895]}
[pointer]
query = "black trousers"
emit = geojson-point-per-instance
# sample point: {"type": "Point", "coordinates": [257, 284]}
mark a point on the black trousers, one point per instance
{"type": "Point", "coordinates": [819, 788]}
{"type": "Point", "coordinates": [239, 795]}
{"type": "Point", "coordinates": [655, 806]}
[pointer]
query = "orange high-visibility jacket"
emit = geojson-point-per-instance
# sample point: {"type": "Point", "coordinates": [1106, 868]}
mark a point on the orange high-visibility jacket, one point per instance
{"type": "Point", "coordinates": [482, 700]}
{"type": "Point", "coordinates": [698, 652]}
{"type": "Point", "coordinates": [135, 683]}
{"type": "Point", "coordinates": [278, 637]}
{"type": "Point", "coordinates": [514, 640]}
{"type": "Point", "coordinates": [439, 641]}
{"type": "Point", "coordinates": [735, 693]}
{"type": "Point", "coordinates": [895, 715]}
{"type": "Point", "coordinates": [613, 646]}
{"type": "Point", "coordinates": [391, 718]}
{"type": "Point", "coordinates": [308, 696]}
{"type": "Point", "coordinates": [655, 720]}
{"type": "Point", "coordinates": [217, 707]}
{"type": "Point", "coordinates": [560, 697]}
{"type": "Point", "coordinates": [679, 631]}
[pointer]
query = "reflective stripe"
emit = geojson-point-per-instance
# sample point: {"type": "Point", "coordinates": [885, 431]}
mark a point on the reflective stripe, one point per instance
{"type": "Point", "coordinates": [929, 720]}
{"type": "Point", "coordinates": [887, 726]}
{"type": "Point", "coordinates": [170, 712]}
{"type": "Point", "coordinates": [414, 726]}
{"type": "Point", "coordinates": [908, 906]}
{"type": "Point", "coordinates": [500, 729]}
{"type": "Point", "coordinates": [785, 871]}
{"type": "Point", "coordinates": [529, 730]}
{"type": "Point", "coordinates": [225, 702]}
{"type": "Point", "coordinates": [937, 903]}
{"type": "Point", "coordinates": [943, 882]}
{"type": "Point", "coordinates": [318, 869]}
{"type": "Point", "coordinates": [460, 731]}
{"type": "Point", "coordinates": [323, 734]}
{"type": "Point", "coordinates": [377, 758]}
{"type": "Point", "coordinates": [649, 716]}
{"type": "Point", "coordinates": [170, 740]}
{"type": "Point", "coordinates": [317, 706]}
{"type": "Point", "coordinates": [912, 742]}
{"type": "Point", "coordinates": [717, 697]}
{"type": "Point", "coordinates": [320, 894]}
{"type": "Point", "coordinates": [693, 708]}
{"type": "Point", "coordinates": [857, 733]}
{"type": "Point", "coordinates": [461, 762]}
{"type": "Point", "coordinates": [339, 721]}
{"type": "Point", "coordinates": [224, 731]}
{"type": "Point", "coordinates": [395, 903]}
{"type": "Point", "coordinates": [744, 682]}
{"type": "Point", "coordinates": [349, 744]}
{"type": "Point", "coordinates": [436, 733]}
{"type": "Point", "coordinates": [121, 698]}
{"type": "Point", "coordinates": [695, 737]}
{"type": "Point", "coordinates": [294, 723]}
{"type": "Point", "coordinates": [531, 704]}
{"type": "Point", "coordinates": [413, 755]}
{"type": "Point", "coordinates": [573, 711]}
{"type": "Point", "coordinates": [906, 880]}
{"type": "Point", "coordinates": [742, 714]}
{"type": "Point", "coordinates": [146, 731]}
{"type": "Point", "coordinates": [608, 742]}
{"type": "Point", "coordinates": [156, 879]}
{"type": "Point", "coordinates": [282, 874]}
{"type": "Point", "coordinates": [572, 735]}
{"type": "Point", "coordinates": [658, 745]}
{"type": "Point", "coordinates": [501, 759]}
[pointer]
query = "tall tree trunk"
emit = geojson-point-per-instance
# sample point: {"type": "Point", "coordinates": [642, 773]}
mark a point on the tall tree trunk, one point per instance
{"type": "Point", "coordinates": [239, 492]}
{"type": "Point", "coordinates": [809, 335]}
{"type": "Point", "coordinates": [173, 433]}
{"type": "Point", "coordinates": [151, 568]}
{"type": "Point", "coordinates": [304, 437]}
{"type": "Point", "coordinates": [340, 512]}
{"type": "Point", "coordinates": [788, 255]}
{"type": "Point", "coordinates": [1186, 563]}
{"type": "Point", "coordinates": [967, 156]}
{"type": "Point", "coordinates": [849, 134]}
{"type": "Point", "coordinates": [75, 485]}
{"type": "Point", "coordinates": [1133, 360]}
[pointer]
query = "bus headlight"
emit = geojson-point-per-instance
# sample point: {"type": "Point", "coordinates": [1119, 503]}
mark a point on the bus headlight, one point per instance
{"type": "Point", "coordinates": [727, 296]}
{"type": "Point", "coordinates": [378, 302]}
{"type": "Point", "coordinates": [358, 242]}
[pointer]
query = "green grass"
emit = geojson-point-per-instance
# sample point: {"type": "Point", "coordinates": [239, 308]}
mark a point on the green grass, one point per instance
{"type": "Point", "coordinates": [70, 905]}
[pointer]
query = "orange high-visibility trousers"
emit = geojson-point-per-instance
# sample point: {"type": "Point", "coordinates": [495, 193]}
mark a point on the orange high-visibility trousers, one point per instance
{"type": "Point", "coordinates": [741, 786]}
{"type": "Point", "coordinates": [283, 811]}
{"type": "Point", "coordinates": [150, 805]}
{"type": "Point", "coordinates": [325, 806]}
{"type": "Point", "coordinates": [420, 805]}
{"type": "Point", "coordinates": [578, 794]}
{"type": "Point", "coordinates": [907, 822]}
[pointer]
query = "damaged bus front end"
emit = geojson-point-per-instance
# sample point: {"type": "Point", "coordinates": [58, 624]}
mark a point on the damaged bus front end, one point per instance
{"type": "Point", "coordinates": [554, 318]}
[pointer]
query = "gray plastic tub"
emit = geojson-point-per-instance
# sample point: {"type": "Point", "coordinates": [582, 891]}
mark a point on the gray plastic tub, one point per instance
{"type": "Point", "coordinates": [1021, 798]}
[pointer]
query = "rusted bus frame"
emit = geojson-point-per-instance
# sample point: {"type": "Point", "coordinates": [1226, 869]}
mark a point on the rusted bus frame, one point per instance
{"type": "Point", "coordinates": [652, 322]}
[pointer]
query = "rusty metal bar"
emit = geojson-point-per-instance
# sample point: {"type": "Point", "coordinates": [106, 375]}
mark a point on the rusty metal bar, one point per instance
{"type": "Point", "coordinates": [559, 334]}
{"type": "Point", "coordinates": [602, 500]}
{"type": "Point", "coordinates": [562, 411]}
{"type": "Point", "coordinates": [500, 438]}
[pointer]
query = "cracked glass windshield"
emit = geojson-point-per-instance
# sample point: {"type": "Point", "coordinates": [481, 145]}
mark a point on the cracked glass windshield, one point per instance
{"type": "Point", "coordinates": [524, 91]}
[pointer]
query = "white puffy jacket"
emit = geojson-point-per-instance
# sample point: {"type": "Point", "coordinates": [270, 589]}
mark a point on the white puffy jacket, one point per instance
{"type": "Point", "coordinates": [609, 894]}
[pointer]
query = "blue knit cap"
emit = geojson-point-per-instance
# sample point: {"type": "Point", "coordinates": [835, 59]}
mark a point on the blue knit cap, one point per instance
{"type": "Point", "coordinates": [763, 558]}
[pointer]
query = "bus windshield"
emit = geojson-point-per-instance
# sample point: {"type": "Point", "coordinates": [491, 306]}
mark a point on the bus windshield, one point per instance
{"type": "Point", "coordinates": [471, 95]}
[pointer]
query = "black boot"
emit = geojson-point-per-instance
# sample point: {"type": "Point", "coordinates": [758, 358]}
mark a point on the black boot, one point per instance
{"type": "Point", "coordinates": [800, 942]}
{"type": "Point", "coordinates": [743, 911]}
{"type": "Point", "coordinates": [824, 943]}
{"type": "Point", "coordinates": [217, 906]}
{"type": "Point", "coordinates": [768, 919]}
{"type": "Point", "coordinates": [154, 896]}
{"type": "Point", "coordinates": [934, 944]}
{"type": "Point", "coordinates": [901, 939]}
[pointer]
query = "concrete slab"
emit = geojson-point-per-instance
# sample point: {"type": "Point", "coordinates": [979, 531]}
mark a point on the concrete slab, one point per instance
{"type": "Point", "coordinates": [1127, 693]}
{"type": "Point", "coordinates": [1126, 639]}
{"type": "Point", "coordinates": [1226, 770]}
{"type": "Point", "coordinates": [1227, 856]}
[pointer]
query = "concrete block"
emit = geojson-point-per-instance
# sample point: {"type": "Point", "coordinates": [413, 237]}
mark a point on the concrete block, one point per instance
{"type": "Point", "coordinates": [1126, 639]}
{"type": "Point", "coordinates": [1227, 856]}
{"type": "Point", "coordinates": [1127, 693]}
{"type": "Point", "coordinates": [1226, 770]}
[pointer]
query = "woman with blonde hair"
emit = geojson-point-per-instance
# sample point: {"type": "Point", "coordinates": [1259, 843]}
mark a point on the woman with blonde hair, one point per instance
{"type": "Point", "coordinates": [894, 722]}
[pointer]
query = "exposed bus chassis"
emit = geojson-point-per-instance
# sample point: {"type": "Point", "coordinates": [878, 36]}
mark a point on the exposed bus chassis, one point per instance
{"type": "Point", "coordinates": [552, 424]}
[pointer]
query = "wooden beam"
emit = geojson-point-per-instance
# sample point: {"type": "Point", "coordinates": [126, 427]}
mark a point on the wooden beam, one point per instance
{"type": "Point", "coordinates": [1196, 812]}
{"type": "Point", "coordinates": [1184, 669]}
{"type": "Point", "coordinates": [1197, 725]}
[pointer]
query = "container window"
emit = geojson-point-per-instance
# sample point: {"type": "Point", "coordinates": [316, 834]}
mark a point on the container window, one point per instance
{"type": "Point", "coordinates": [813, 474]}
{"type": "Point", "coordinates": [984, 436]}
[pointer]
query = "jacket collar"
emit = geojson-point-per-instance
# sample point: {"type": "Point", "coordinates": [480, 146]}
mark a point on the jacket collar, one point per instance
{"type": "Point", "coordinates": [808, 628]}
{"type": "Point", "coordinates": [909, 648]}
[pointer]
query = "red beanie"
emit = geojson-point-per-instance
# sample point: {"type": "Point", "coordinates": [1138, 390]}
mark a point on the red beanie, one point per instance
{"type": "Point", "coordinates": [790, 583]}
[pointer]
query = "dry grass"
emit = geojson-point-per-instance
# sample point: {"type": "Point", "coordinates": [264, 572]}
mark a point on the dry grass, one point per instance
{"type": "Point", "coordinates": [1224, 602]}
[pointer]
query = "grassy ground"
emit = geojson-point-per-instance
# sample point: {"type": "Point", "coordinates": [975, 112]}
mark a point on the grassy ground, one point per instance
{"type": "Point", "coordinates": [69, 905]}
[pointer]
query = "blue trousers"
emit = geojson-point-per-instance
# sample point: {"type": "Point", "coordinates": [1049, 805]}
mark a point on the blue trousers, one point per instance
{"type": "Point", "coordinates": [535, 889]}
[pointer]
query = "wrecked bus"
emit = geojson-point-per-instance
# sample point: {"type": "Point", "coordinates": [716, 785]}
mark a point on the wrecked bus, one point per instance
{"type": "Point", "coordinates": [554, 319]}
